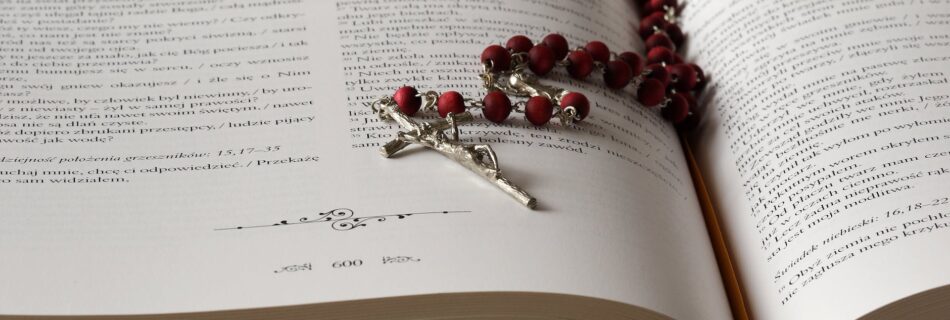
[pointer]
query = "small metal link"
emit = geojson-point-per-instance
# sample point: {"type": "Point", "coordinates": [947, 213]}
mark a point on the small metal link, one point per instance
{"type": "Point", "coordinates": [474, 104]}
{"type": "Point", "coordinates": [377, 106]}
{"type": "Point", "coordinates": [670, 15]}
{"type": "Point", "coordinates": [488, 77]}
{"type": "Point", "coordinates": [520, 58]}
{"type": "Point", "coordinates": [519, 107]}
{"type": "Point", "coordinates": [430, 98]}
{"type": "Point", "coordinates": [567, 115]}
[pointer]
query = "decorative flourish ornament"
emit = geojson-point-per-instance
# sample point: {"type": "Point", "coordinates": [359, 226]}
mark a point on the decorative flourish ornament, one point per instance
{"type": "Point", "coordinates": [340, 219]}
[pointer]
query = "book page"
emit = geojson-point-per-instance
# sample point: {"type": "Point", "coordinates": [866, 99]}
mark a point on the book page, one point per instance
{"type": "Point", "coordinates": [827, 147]}
{"type": "Point", "coordinates": [175, 156]}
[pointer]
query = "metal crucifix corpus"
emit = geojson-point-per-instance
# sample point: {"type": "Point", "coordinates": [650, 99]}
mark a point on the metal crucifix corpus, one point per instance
{"type": "Point", "coordinates": [479, 158]}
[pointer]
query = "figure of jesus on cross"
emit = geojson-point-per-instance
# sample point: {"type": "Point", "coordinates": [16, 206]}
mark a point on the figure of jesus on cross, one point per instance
{"type": "Point", "coordinates": [479, 158]}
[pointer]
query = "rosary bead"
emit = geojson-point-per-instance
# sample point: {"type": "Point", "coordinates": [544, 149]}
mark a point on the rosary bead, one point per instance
{"type": "Point", "coordinates": [659, 40]}
{"type": "Point", "coordinates": [678, 108]}
{"type": "Point", "coordinates": [675, 33]}
{"type": "Point", "coordinates": [656, 19]}
{"type": "Point", "coordinates": [658, 5]}
{"type": "Point", "coordinates": [519, 44]}
{"type": "Point", "coordinates": [651, 92]}
{"type": "Point", "coordinates": [558, 45]}
{"type": "Point", "coordinates": [700, 76]}
{"type": "Point", "coordinates": [692, 101]}
{"type": "Point", "coordinates": [617, 74]}
{"type": "Point", "coordinates": [693, 107]}
{"type": "Point", "coordinates": [579, 102]}
{"type": "Point", "coordinates": [499, 57]}
{"type": "Point", "coordinates": [658, 72]}
{"type": "Point", "coordinates": [497, 106]}
{"type": "Point", "coordinates": [634, 61]}
{"type": "Point", "coordinates": [693, 117]}
{"type": "Point", "coordinates": [450, 101]}
{"type": "Point", "coordinates": [598, 51]}
{"type": "Point", "coordinates": [408, 100]}
{"type": "Point", "coordinates": [538, 110]}
{"type": "Point", "coordinates": [580, 64]}
{"type": "Point", "coordinates": [541, 59]}
{"type": "Point", "coordinates": [660, 54]}
{"type": "Point", "coordinates": [677, 59]}
{"type": "Point", "coordinates": [684, 76]}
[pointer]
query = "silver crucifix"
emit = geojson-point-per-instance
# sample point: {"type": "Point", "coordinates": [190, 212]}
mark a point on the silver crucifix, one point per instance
{"type": "Point", "coordinates": [479, 158]}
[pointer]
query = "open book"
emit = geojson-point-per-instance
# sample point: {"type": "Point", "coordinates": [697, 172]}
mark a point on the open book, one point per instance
{"type": "Point", "coordinates": [216, 159]}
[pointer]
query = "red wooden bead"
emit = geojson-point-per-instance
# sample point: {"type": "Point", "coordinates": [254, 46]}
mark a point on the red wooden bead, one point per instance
{"type": "Point", "coordinates": [450, 101]}
{"type": "Point", "coordinates": [683, 75]}
{"type": "Point", "coordinates": [541, 59]}
{"type": "Point", "coordinates": [656, 19]}
{"type": "Point", "coordinates": [499, 57]}
{"type": "Point", "coordinates": [408, 100]}
{"type": "Point", "coordinates": [662, 3]}
{"type": "Point", "coordinates": [598, 51]}
{"type": "Point", "coordinates": [692, 102]}
{"type": "Point", "coordinates": [518, 44]}
{"type": "Point", "coordinates": [693, 117]}
{"type": "Point", "coordinates": [675, 33]}
{"type": "Point", "coordinates": [660, 54]}
{"type": "Point", "coordinates": [659, 40]}
{"type": "Point", "coordinates": [659, 5]}
{"type": "Point", "coordinates": [677, 59]}
{"type": "Point", "coordinates": [579, 102]}
{"type": "Point", "coordinates": [690, 123]}
{"type": "Point", "coordinates": [580, 64]}
{"type": "Point", "coordinates": [678, 108]}
{"type": "Point", "coordinates": [635, 61]}
{"type": "Point", "coordinates": [700, 76]}
{"type": "Point", "coordinates": [558, 44]}
{"type": "Point", "coordinates": [497, 106]}
{"type": "Point", "coordinates": [617, 74]}
{"type": "Point", "coordinates": [538, 110]}
{"type": "Point", "coordinates": [658, 72]}
{"type": "Point", "coordinates": [651, 92]}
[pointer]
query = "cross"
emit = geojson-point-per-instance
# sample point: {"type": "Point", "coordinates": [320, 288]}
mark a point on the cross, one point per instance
{"type": "Point", "coordinates": [479, 158]}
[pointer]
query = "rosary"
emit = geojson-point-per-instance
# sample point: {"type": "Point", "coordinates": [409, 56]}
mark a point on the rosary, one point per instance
{"type": "Point", "coordinates": [662, 80]}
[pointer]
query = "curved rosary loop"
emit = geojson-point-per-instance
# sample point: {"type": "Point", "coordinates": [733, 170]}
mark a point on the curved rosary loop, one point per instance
{"type": "Point", "coordinates": [661, 80]}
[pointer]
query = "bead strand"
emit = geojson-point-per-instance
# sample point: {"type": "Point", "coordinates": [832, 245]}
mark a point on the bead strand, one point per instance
{"type": "Point", "coordinates": [495, 105]}
{"type": "Point", "coordinates": [663, 79]}
{"type": "Point", "coordinates": [683, 81]}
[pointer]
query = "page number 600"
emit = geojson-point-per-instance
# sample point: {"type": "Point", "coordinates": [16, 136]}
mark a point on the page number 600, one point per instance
{"type": "Point", "coordinates": [347, 263]}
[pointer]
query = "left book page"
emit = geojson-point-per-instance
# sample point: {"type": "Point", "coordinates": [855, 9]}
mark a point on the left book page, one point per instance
{"type": "Point", "coordinates": [172, 156]}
